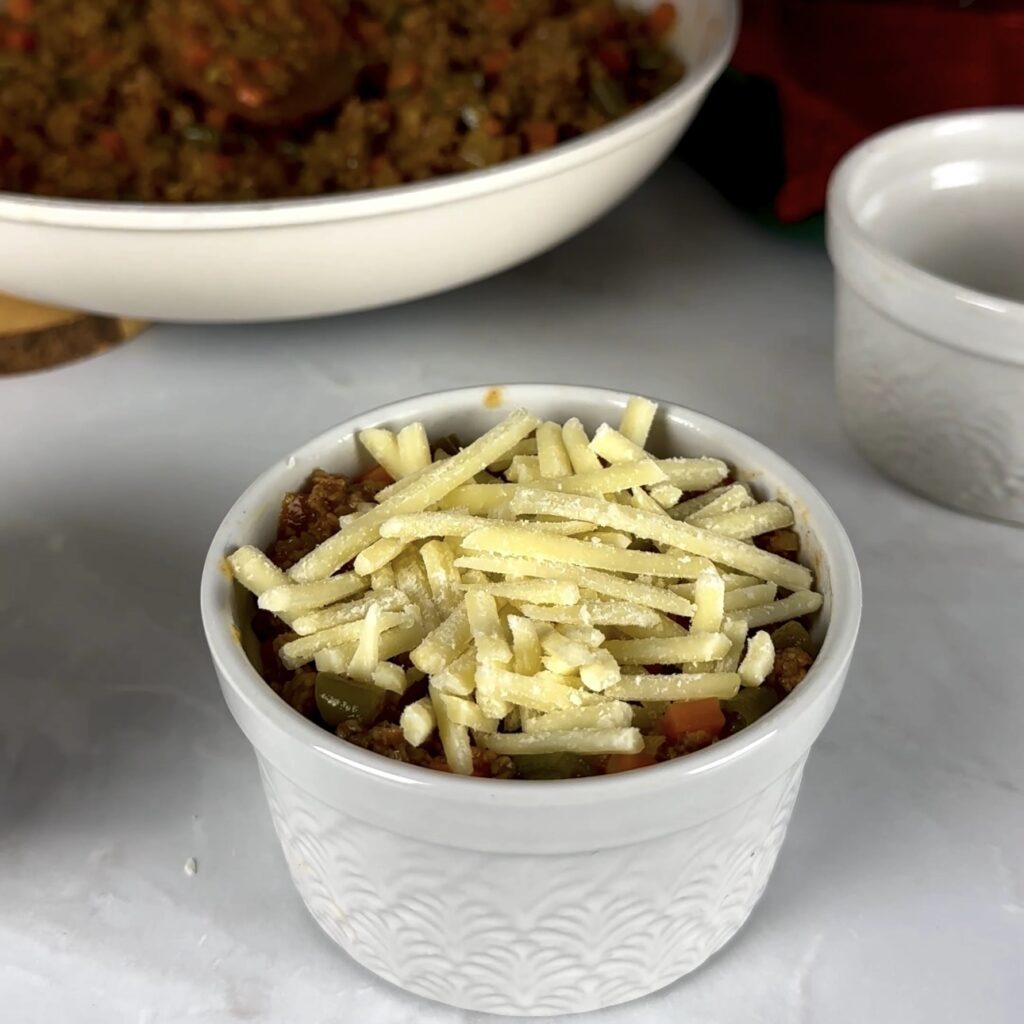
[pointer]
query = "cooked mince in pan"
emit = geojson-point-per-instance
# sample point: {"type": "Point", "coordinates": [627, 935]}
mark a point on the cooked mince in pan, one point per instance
{"type": "Point", "coordinates": [212, 100]}
{"type": "Point", "coordinates": [539, 604]}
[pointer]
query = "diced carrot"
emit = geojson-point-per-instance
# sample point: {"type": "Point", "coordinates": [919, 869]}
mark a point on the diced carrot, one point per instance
{"type": "Point", "coordinates": [608, 22]}
{"type": "Point", "coordinates": [112, 143]}
{"type": "Point", "coordinates": [661, 19]}
{"type": "Point", "coordinates": [491, 125]}
{"type": "Point", "coordinates": [500, 7]}
{"type": "Point", "coordinates": [20, 11]}
{"type": "Point", "coordinates": [251, 95]}
{"type": "Point", "coordinates": [613, 56]}
{"type": "Point", "coordinates": [404, 75]}
{"type": "Point", "coordinates": [369, 30]}
{"type": "Point", "coordinates": [97, 58]}
{"type": "Point", "coordinates": [195, 54]}
{"type": "Point", "coordinates": [215, 117]}
{"type": "Point", "coordinates": [627, 762]}
{"type": "Point", "coordinates": [481, 766]}
{"type": "Point", "coordinates": [376, 475]}
{"type": "Point", "coordinates": [693, 716]}
{"type": "Point", "coordinates": [20, 39]}
{"type": "Point", "coordinates": [267, 67]}
{"type": "Point", "coordinates": [232, 8]}
{"type": "Point", "coordinates": [494, 62]}
{"type": "Point", "coordinates": [540, 135]}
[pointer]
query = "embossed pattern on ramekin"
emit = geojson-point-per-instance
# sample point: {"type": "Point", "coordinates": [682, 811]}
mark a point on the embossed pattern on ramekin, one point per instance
{"type": "Point", "coordinates": [949, 424]}
{"type": "Point", "coordinates": [530, 935]}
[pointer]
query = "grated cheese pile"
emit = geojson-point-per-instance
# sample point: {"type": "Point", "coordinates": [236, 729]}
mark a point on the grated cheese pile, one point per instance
{"type": "Point", "coordinates": [534, 577]}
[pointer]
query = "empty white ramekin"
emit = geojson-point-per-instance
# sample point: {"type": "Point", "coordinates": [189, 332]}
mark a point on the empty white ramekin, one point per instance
{"type": "Point", "coordinates": [926, 232]}
{"type": "Point", "coordinates": [532, 898]}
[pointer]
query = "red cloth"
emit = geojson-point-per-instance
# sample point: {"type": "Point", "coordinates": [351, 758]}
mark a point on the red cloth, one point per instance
{"type": "Point", "coordinates": [846, 69]}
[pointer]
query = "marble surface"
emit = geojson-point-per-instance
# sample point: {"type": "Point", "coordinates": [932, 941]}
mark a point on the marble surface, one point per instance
{"type": "Point", "coordinates": [139, 876]}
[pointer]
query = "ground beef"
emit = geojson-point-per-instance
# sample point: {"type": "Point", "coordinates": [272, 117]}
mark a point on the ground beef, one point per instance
{"type": "Point", "coordinates": [494, 766]}
{"type": "Point", "coordinates": [300, 692]}
{"type": "Point", "coordinates": [781, 542]}
{"type": "Point", "coordinates": [791, 665]}
{"type": "Point", "coordinates": [88, 108]}
{"type": "Point", "coordinates": [310, 516]}
{"type": "Point", "coordinates": [687, 744]}
{"type": "Point", "coordinates": [385, 738]}
{"type": "Point", "coordinates": [307, 518]}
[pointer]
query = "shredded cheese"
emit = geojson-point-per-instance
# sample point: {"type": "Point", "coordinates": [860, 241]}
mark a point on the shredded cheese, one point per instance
{"type": "Point", "coordinates": [467, 713]}
{"type": "Point", "coordinates": [676, 686]}
{"type": "Point", "coordinates": [390, 600]}
{"type": "Point", "coordinates": [418, 722]}
{"type": "Point", "coordinates": [486, 628]}
{"type": "Point", "coordinates": [577, 445]}
{"type": "Point", "coordinates": [616, 714]}
{"type": "Point", "coordinates": [443, 644]}
{"type": "Point", "coordinates": [709, 603]}
{"type": "Point", "coordinates": [442, 576]}
{"type": "Point", "coordinates": [551, 454]}
{"type": "Point", "coordinates": [256, 572]}
{"type": "Point", "coordinates": [439, 480]}
{"type": "Point", "coordinates": [556, 592]}
{"type": "Point", "coordinates": [514, 540]}
{"type": "Point", "coordinates": [743, 557]}
{"type": "Point", "coordinates": [594, 613]}
{"type": "Point", "coordinates": [577, 741]}
{"type": "Point", "coordinates": [304, 597]}
{"type": "Point", "coordinates": [636, 420]}
{"type": "Point", "coordinates": [758, 660]}
{"type": "Point", "coordinates": [454, 737]}
{"type": "Point", "coordinates": [743, 523]}
{"type": "Point", "coordinates": [413, 449]}
{"type": "Point", "coordinates": [670, 650]}
{"type": "Point", "coordinates": [802, 602]}
{"type": "Point", "coordinates": [532, 578]}
{"type": "Point", "coordinates": [298, 652]}
{"type": "Point", "coordinates": [377, 555]}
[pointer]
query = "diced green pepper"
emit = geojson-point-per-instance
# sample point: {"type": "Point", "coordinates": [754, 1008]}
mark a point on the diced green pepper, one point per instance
{"type": "Point", "coordinates": [201, 133]}
{"type": "Point", "coordinates": [650, 60]}
{"type": "Point", "coordinates": [339, 698]}
{"type": "Point", "coordinates": [792, 634]}
{"type": "Point", "coordinates": [749, 705]}
{"type": "Point", "coordinates": [607, 94]}
{"type": "Point", "coordinates": [552, 766]}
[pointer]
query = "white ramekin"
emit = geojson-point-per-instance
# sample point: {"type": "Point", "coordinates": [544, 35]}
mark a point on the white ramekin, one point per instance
{"type": "Point", "coordinates": [279, 259]}
{"type": "Point", "coordinates": [531, 898]}
{"type": "Point", "coordinates": [930, 372]}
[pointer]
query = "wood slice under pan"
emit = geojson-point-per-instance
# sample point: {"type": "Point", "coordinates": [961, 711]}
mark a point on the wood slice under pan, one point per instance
{"type": "Point", "coordinates": [35, 337]}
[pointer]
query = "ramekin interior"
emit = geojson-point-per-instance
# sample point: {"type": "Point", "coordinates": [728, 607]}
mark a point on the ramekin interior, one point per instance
{"type": "Point", "coordinates": [983, 324]}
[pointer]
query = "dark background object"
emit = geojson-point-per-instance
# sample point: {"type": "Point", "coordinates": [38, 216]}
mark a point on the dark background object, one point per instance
{"type": "Point", "coordinates": [812, 78]}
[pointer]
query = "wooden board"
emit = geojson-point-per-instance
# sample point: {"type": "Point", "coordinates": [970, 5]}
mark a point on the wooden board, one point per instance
{"type": "Point", "coordinates": [34, 337]}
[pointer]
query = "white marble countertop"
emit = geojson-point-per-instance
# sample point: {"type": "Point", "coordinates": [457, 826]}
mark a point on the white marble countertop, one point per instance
{"type": "Point", "coordinates": [899, 894]}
